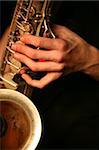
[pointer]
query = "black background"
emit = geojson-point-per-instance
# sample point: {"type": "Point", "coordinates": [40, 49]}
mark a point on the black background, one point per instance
{"type": "Point", "coordinates": [68, 106]}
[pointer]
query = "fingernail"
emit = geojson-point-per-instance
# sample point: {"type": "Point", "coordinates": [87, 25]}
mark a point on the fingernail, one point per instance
{"type": "Point", "coordinates": [22, 38]}
{"type": "Point", "coordinates": [15, 55]}
{"type": "Point", "coordinates": [13, 46]}
{"type": "Point", "coordinates": [22, 71]}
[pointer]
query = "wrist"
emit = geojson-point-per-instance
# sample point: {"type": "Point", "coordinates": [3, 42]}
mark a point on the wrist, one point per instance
{"type": "Point", "coordinates": [92, 66]}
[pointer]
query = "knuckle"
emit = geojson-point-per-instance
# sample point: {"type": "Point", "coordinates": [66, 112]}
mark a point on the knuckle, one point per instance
{"type": "Point", "coordinates": [40, 85]}
{"type": "Point", "coordinates": [29, 83]}
{"type": "Point", "coordinates": [60, 57]}
{"type": "Point", "coordinates": [61, 66]}
{"type": "Point", "coordinates": [34, 54]}
{"type": "Point", "coordinates": [35, 68]}
{"type": "Point", "coordinates": [28, 37]}
{"type": "Point", "coordinates": [38, 42]}
{"type": "Point", "coordinates": [22, 58]}
{"type": "Point", "coordinates": [62, 45]}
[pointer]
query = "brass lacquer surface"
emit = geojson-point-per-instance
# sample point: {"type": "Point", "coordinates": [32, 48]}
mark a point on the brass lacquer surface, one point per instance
{"type": "Point", "coordinates": [31, 16]}
{"type": "Point", "coordinates": [17, 128]}
{"type": "Point", "coordinates": [20, 124]}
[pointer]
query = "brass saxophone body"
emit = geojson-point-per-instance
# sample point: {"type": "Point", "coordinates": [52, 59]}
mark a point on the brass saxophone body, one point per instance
{"type": "Point", "coordinates": [20, 123]}
{"type": "Point", "coordinates": [31, 16]}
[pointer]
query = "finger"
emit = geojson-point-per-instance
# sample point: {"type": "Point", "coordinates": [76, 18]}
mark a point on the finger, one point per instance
{"type": "Point", "coordinates": [39, 66]}
{"type": "Point", "coordinates": [53, 55]}
{"type": "Point", "coordinates": [64, 33]}
{"type": "Point", "coordinates": [43, 42]}
{"type": "Point", "coordinates": [3, 42]}
{"type": "Point", "coordinates": [48, 78]}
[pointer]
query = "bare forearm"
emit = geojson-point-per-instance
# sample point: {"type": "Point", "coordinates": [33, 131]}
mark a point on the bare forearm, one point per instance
{"type": "Point", "coordinates": [3, 41]}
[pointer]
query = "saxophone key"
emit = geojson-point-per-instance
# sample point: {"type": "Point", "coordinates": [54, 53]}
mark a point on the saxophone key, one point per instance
{"type": "Point", "coordinates": [15, 65]}
{"type": "Point", "coordinates": [8, 81]}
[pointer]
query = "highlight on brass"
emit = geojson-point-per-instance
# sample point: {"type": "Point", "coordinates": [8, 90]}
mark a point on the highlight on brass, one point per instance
{"type": "Point", "coordinates": [20, 124]}
{"type": "Point", "coordinates": [31, 17]}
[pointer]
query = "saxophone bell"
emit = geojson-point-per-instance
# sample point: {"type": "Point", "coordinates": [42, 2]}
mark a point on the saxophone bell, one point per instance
{"type": "Point", "coordinates": [20, 123]}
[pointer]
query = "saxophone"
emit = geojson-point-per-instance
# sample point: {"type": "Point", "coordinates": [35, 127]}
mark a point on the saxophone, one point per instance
{"type": "Point", "coordinates": [20, 123]}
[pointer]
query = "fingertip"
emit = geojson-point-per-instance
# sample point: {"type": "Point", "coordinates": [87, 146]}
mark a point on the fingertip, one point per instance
{"type": "Point", "coordinates": [23, 37]}
{"type": "Point", "coordinates": [15, 55]}
{"type": "Point", "coordinates": [13, 46]}
{"type": "Point", "coordinates": [22, 71]}
{"type": "Point", "coordinates": [23, 75]}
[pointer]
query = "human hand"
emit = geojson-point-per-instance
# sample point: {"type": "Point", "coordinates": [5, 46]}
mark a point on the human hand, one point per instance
{"type": "Point", "coordinates": [3, 41]}
{"type": "Point", "coordinates": [65, 54]}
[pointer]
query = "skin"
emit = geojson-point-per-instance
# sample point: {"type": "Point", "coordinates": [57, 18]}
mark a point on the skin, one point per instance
{"type": "Point", "coordinates": [3, 42]}
{"type": "Point", "coordinates": [65, 54]}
